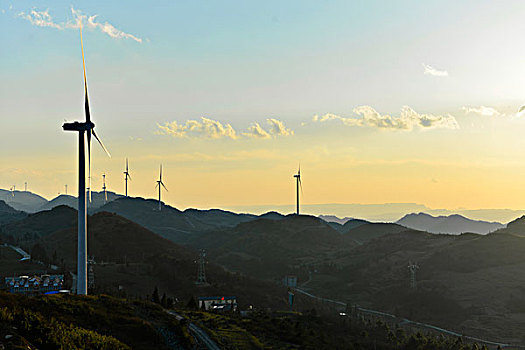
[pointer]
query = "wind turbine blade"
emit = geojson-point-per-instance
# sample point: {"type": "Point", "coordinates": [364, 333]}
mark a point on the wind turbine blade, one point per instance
{"type": "Point", "coordinates": [164, 186]}
{"type": "Point", "coordinates": [129, 176]}
{"type": "Point", "coordinates": [301, 186]}
{"type": "Point", "coordinates": [101, 144]}
{"type": "Point", "coordinates": [126, 165]}
{"type": "Point", "coordinates": [521, 109]}
{"type": "Point", "coordinates": [86, 105]}
{"type": "Point", "coordinates": [157, 185]}
{"type": "Point", "coordinates": [160, 177]}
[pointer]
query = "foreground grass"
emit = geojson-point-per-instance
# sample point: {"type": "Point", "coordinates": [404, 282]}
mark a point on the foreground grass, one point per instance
{"type": "Point", "coordinates": [87, 322]}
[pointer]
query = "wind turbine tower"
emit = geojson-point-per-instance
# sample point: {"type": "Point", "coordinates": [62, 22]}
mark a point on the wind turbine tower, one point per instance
{"type": "Point", "coordinates": [159, 185]}
{"type": "Point", "coordinates": [298, 185]}
{"type": "Point", "coordinates": [25, 186]}
{"type": "Point", "coordinates": [412, 268]}
{"type": "Point", "coordinates": [127, 176]}
{"type": "Point", "coordinates": [84, 129]}
{"type": "Point", "coordinates": [104, 188]}
{"type": "Point", "coordinates": [66, 189]}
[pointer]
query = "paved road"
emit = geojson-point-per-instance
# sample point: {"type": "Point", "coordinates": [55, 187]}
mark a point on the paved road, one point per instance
{"type": "Point", "coordinates": [409, 322]}
{"type": "Point", "coordinates": [25, 255]}
{"type": "Point", "coordinates": [197, 332]}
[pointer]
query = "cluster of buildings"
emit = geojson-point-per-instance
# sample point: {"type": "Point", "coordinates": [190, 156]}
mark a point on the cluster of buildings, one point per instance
{"type": "Point", "coordinates": [32, 285]}
{"type": "Point", "coordinates": [218, 303]}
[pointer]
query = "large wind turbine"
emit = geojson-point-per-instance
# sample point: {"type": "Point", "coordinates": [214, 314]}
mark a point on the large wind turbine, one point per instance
{"type": "Point", "coordinates": [84, 129]}
{"type": "Point", "coordinates": [297, 185]}
{"type": "Point", "coordinates": [104, 188]}
{"type": "Point", "coordinates": [159, 184]}
{"type": "Point", "coordinates": [127, 176]}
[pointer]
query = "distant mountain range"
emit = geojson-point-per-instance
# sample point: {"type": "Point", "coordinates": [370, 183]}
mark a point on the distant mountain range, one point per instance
{"type": "Point", "coordinates": [452, 224]}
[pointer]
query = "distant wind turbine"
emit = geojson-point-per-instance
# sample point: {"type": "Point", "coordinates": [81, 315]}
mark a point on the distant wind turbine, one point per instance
{"type": "Point", "coordinates": [13, 189]}
{"type": "Point", "coordinates": [298, 185]}
{"type": "Point", "coordinates": [159, 184]}
{"type": "Point", "coordinates": [84, 129]}
{"type": "Point", "coordinates": [127, 176]}
{"type": "Point", "coordinates": [25, 186]}
{"type": "Point", "coordinates": [66, 189]}
{"type": "Point", "coordinates": [104, 187]}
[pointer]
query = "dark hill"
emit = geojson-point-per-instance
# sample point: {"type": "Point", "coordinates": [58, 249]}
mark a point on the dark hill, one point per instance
{"type": "Point", "coordinates": [41, 224]}
{"type": "Point", "coordinates": [271, 248]}
{"type": "Point", "coordinates": [113, 238]}
{"type": "Point", "coordinates": [9, 214]}
{"type": "Point", "coordinates": [353, 223]}
{"type": "Point", "coordinates": [133, 260]}
{"type": "Point", "coordinates": [365, 232]}
{"type": "Point", "coordinates": [516, 227]}
{"type": "Point", "coordinates": [170, 222]}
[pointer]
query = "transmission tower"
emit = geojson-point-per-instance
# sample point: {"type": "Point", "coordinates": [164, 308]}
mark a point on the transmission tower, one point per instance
{"type": "Point", "coordinates": [91, 272]}
{"type": "Point", "coordinates": [201, 275]}
{"type": "Point", "coordinates": [412, 268]}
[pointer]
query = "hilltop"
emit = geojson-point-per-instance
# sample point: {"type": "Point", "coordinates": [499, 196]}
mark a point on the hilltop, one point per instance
{"type": "Point", "coordinates": [452, 224]}
{"type": "Point", "coordinates": [178, 226]}
{"type": "Point", "coordinates": [22, 200]}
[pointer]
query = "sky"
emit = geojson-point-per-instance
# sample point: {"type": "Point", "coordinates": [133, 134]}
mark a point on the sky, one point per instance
{"type": "Point", "coordinates": [378, 101]}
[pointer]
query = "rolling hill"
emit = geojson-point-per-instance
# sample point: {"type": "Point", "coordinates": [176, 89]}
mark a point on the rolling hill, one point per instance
{"type": "Point", "coordinates": [516, 227]}
{"type": "Point", "coordinates": [452, 224]}
{"type": "Point", "coordinates": [133, 260]}
{"type": "Point", "coordinates": [22, 200]}
{"type": "Point", "coordinates": [41, 223]}
{"type": "Point", "coordinates": [271, 248]}
{"type": "Point", "coordinates": [9, 214]}
{"type": "Point", "coordinates": [171, 223]}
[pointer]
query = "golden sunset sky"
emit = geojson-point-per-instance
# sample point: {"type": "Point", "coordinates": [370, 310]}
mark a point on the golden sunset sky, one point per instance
{"type": "Point", "coordinates": [380, 102]}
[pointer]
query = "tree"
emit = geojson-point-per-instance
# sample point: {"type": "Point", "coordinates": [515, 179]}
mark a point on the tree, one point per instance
{"type": "Point", "coordinates": [155, 297]}
{"type": "Point", "coordinates": [163, 300]}
{"type": "Point", "coordinates": [192, 304]}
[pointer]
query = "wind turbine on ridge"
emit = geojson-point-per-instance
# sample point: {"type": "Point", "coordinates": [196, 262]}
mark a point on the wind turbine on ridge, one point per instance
{"type": "Point", "coordinates": [84, 129]}
{"type": "Point", "coordinates": [104, 188]}
{"type": "Point", "coordinates": [126, 176]}
{"type": "Point", "coordinates": [298, 184]}
{"type": "Point", "coordinates": [159, 184]}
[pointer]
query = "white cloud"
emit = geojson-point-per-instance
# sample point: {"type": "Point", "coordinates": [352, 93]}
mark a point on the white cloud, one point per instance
{"type": "Point", "coordinates": [277, 128]}
{"type": "Point", "coordinates": [366, 116]}
{"type": "Point", "coordinates": [207, 128]}
{"type": "Point", "coordinates": [256, 131]}
{"type": "Point", "coordinates": [482, 110]}
{"type": "Point", "coordinates": [44, 19]}
{"type": "Point", "coordinates": [40, 19]}
{"type": "Point", "coordinates": [212, 129]}
{"type": "Point", "coordinates": [429, 70]}
{"type": "Point", "coordinates": [492, 112]}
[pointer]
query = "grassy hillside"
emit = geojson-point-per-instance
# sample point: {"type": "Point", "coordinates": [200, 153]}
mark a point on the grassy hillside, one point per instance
{"type": "Point", "coordinates": [93, 322]}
